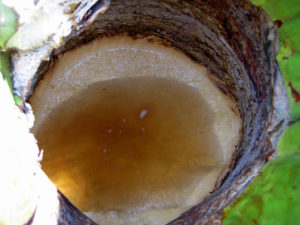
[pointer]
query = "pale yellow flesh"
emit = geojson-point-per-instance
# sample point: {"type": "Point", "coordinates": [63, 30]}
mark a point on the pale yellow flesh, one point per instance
{"type": "Point", "coordinates": [144, 137]}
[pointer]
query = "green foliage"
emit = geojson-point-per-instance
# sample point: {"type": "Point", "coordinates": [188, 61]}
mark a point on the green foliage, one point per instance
{"type": "Point", "coordinates": [5, 70]}
{"type": "Point", "coordinates": [289, 60]}
{"type": "Point", "coordinates": [289, 55]}
{"type": "Point", "coordinates": [273, 198]}
{"type": "Point", "coordinates": [278, 9]}
{"type": "Point", "coordinates": [8, 23]}
{"type": "Point", "coordinates": [290, 141]}
{"type": "Point", "coordinates": [291, 70]}
{"type": "Point", "coordinates": [8, 26]}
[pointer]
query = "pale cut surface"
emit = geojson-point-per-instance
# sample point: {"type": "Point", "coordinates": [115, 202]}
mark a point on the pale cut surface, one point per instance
{"type": "Point", "coordinates": [134, 132]}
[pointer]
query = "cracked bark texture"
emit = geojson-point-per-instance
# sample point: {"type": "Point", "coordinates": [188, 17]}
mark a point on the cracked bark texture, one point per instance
{"type": "Point", "coordinates": [237, 42]}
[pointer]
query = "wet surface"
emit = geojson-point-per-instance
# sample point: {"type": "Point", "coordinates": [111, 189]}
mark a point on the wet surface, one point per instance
{"type": "Point", "coordinates": [129, 143]}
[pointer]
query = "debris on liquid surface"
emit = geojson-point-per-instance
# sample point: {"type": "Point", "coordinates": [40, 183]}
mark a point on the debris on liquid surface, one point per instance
{"type": "Point", "coordinates": [130, 143]}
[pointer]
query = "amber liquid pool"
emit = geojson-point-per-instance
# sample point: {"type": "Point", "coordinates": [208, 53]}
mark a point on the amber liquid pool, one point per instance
{"type": "Point", "coordinates": [126, 144]}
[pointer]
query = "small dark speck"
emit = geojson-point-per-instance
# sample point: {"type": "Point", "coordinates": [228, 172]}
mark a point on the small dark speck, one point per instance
{"type": "Point", "coordinates": [294, 187]}
{"type": "Point", "coordinates": [290, 198]}
{"type": "Point", "coordinates": [249, 18]}
{"type": "Point", "coordinates": [34, 174]}
{"type": "Point", "coordinates": [278, 23]}
{"type": "Point", "coordinates": [104, 89]}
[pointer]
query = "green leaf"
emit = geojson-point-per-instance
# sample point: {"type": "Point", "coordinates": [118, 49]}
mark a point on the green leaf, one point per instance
{"type": "Point", "coordinates": [5, 71]}
{"type": "Point", "coordinates": [273, 198]}
{"type": "Point", "coordinates": [5, 68]}
{"type": "Point", "coordinates": [278, 9]}
{"type": "Point", "coordinates": [289, 52]}
{"type": "Point", "coordinates": [291, 72]}
{"type": "Point", "coordinates": [8, 23]}
{"type": "Point", "coordinates": [289, 62]}
{"type": "Point", "coordinates": [8, 26]}
{"type": "Point", "coordinates": [290, 140]}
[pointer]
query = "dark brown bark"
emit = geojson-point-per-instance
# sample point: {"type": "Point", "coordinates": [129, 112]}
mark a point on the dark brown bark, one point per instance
{"type": "Point", "coordinates": [237, 42]}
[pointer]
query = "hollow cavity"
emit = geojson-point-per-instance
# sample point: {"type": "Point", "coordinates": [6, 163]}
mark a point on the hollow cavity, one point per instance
{"type": "Point", "coordinates": [133, 132]}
